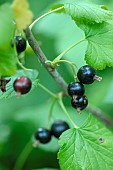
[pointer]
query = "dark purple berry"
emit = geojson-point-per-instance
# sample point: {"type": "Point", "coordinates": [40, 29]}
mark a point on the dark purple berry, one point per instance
{"type": "Point", "coordinates": [20, 44]}
{"type": "Point", "coordinates": [76, 88]}
{"type": "Point", "coordinates": [43, 135]}
{"type": "Point", "coordinates": [87, 75]}
{"type": "Point", "coordinates": [79, 102]}
{"type": "Point", "coordinates": [58, 128]}
{"type": "Point", "coordinates": [22, 85]}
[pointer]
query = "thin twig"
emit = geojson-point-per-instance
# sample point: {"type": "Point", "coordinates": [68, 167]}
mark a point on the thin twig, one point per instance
{"type": "Point", "coordinates": [100, 115]}
{"type": "Point", "coordinates": [41, 56]}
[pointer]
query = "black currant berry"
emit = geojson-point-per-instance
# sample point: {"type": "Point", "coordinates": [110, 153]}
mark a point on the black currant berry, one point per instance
{"type": "Point", "coordinates": [22, 85]}
{"type": "Point", "coordinates": [79, 102]}
{"type": "Point", "coordinates": [87, 75]}
{"type": "Point", "coordinates": [20, 44]}
{"type": "Point", "coordinates": [43, 135]}
{"type": "Point", "coordinates": [75, 88]}
{"type": "Point", "coordinates": [58, 128]}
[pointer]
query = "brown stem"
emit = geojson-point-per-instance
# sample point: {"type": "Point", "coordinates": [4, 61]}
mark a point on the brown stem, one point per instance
{"type": "Point", "coordinates": [41, 56]}
{"type": "Point", "coordinates": [100, 115]}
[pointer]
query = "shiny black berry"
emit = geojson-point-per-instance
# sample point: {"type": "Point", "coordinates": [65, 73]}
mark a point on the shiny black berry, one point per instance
{"type": "Point", "coordinates": [87, 75]}
{"type": "Point", "coordinates": [22, 85]}
{"type": "Point", "coordinates": [20, 44]}
{"type": "Point", "coordinates": [43, 135]}
{"type": "Point", "coordinates": [58, 128]}
{"type": "Point", "coordinates": [76, 88]}
{"type": "Point", "coordinates": [79, 102]}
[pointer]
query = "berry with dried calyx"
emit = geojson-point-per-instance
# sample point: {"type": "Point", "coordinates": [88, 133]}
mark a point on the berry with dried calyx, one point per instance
{"type": "Point", "coordinates": [43, 135]}
{"type": "Point", "coordinates": [87, 75]}
{"type": "Point", "coordinates": [22, 85]}
{"type": "Point", "coordinates": [79, 102]}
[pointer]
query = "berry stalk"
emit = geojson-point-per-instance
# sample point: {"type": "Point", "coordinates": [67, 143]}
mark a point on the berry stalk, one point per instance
{"type": "Point", "coordinates": [23, 156]}
{"type": "Point", "coordinates": [47, 90]}
{"type": "Point", "coordinates": [68, 49]}
{"type": "Point", "coordinates": [51, 111]}
{"type": "Point", "coordinates": [21, 65]}
{"type": "Point", "coordinates": [65, 111]}
{"type": "Point", "coordinates": [68, 62]}
{"type": "Point", "coordinates": [48, 13]}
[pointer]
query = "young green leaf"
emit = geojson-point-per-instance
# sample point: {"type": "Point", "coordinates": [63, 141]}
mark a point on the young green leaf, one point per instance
{"type": "Point", "coordinates": [9, 87]}
{"type": "Point", "coordinates": [89, 13]}
{"type": "Point", "coordinates": [7, 53]}
{"type": "Point", "coordinates": [99, 53]}
{"type": "Point", "coordinates": [88, 147]}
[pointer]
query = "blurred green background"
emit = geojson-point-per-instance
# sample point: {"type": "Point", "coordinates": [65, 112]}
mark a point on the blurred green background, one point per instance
{"type": "Point", "coordinates": [20, 117]}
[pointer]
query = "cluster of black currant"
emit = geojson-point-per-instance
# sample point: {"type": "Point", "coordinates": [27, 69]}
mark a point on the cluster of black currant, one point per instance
{"type": "Point", "coordinates": [86, 75]}
{"type": "Point", "coordinates": [44, 135]}
{"type": "Point", "coordinates": [23, 84]}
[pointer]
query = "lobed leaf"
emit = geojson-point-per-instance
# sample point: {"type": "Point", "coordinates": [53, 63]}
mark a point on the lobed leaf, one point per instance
{"type": "Point", "coordinates": [88, 147]}
{"type": "Point", "coordinates": [89, 13]}
{"type": "Point", "coordinates": [99, 53]}
{"type": "Point", "coordinates": [7, 53]}
{"type": "Point", "coordinates": [32, 74]}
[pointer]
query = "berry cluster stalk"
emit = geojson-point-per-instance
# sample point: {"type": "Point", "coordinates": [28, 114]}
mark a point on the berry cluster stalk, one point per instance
{"type": "Point", "coordinates": [41, 56]}
{"type": "Point", "coordinates": [56, 76]}
{"type": "Point", "coordinates": [23, 156]}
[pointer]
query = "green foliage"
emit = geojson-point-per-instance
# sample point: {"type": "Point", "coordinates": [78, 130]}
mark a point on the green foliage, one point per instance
{"type": "Point", "coordinates": [88, 147]}
{"type": "Point", "coordinates": [89, 13]}
{"type": "Point", "coordinates": [7, 53]}
{"type": "Point", "coordinates": [32, 74]}
{"type": "Point", "coordinates": [46, 169]}
{"type": "Point", "coordinates": [93, 20]}
{"type": "Point", "coordinates": [58, 6]}
{"type": "Point", "coordinates": [99, 53]}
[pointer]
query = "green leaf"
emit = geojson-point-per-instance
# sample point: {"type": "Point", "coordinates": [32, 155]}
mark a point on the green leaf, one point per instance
{"type": "Point", "coordinates": [88, 147]}
{"type": "Point", "coordinates": [7, 53]}
{"type": "Point", "coordinates": [87, 12]}
{"type": "Point", "coordinates": [9, 87]}
{"type": "Point", "coordinates": [99, 53]}
{"type": "Point", "coordinates": [57, 6]}
{"type": "Point", "coordinates": [46, 169]}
